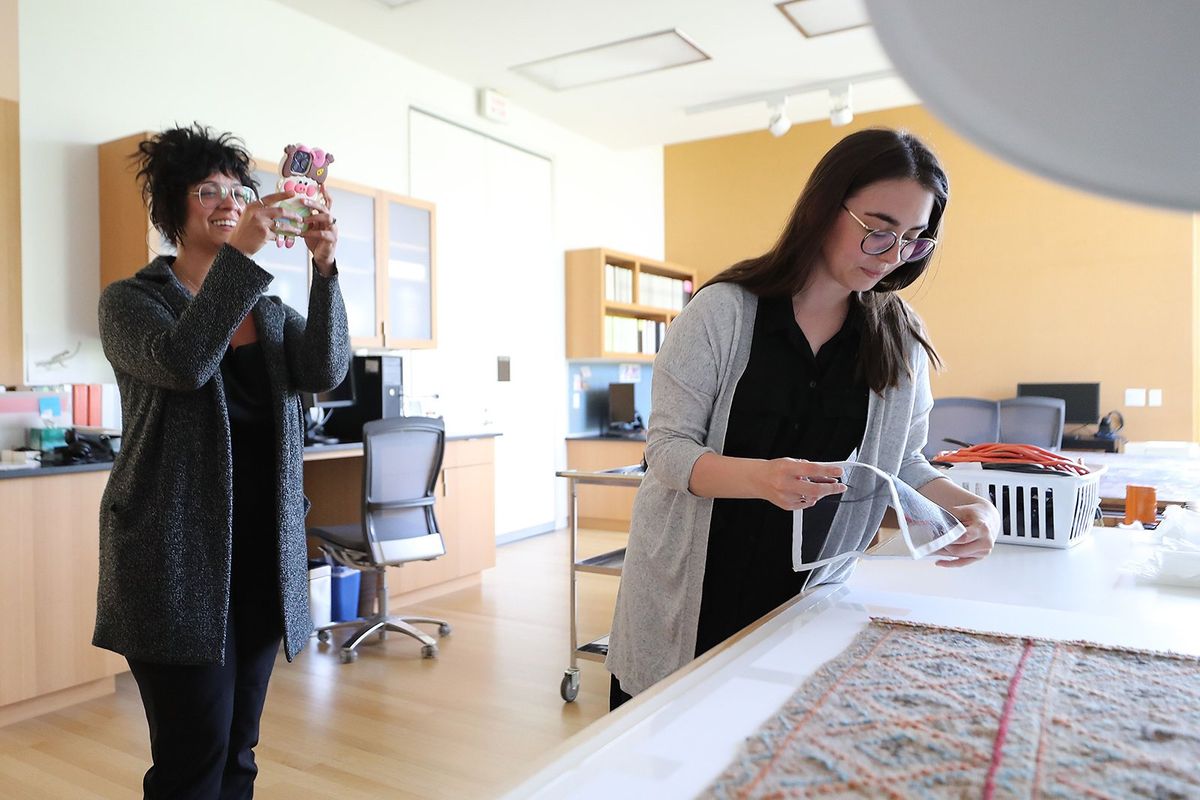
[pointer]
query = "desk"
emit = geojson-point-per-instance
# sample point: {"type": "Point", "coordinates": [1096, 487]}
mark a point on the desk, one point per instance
{"type": "Point", "coordinates": [673, 739]}
{"type": "Point", "coordinates": [465, 507]}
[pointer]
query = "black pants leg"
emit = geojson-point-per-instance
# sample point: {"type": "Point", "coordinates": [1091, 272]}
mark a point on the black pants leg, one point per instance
{"type": "Point", "coordinates": [616, 695]}
{"type": "Point", "coordinates": [204, 720]}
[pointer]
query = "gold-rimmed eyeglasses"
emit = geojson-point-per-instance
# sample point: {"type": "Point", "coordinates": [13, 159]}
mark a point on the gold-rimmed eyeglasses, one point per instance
{"type": "Point", "coordinates": [876, 242]}
{"type": "Point", "coordinates": [212, 194]}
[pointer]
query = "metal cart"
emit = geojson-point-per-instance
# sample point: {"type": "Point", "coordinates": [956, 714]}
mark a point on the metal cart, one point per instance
{"type": "Point", "coordinates": [609, 563]}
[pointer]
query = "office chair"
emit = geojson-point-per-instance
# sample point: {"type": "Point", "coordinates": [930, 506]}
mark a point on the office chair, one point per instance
{"type": "Point", "coordinates": [402, 457]}
{"type": "Point", "coordinates": [966, 419]}
{"type": "Point", "coordinates": [1033, 420]}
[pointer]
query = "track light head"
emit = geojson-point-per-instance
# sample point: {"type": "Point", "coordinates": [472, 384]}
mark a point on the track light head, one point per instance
{"type": "Point", "coordinates": [840, 110]}
{"type": "Point", "coordinates": [779, 124]}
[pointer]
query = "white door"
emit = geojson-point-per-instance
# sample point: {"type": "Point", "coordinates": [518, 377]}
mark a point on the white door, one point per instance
{"type": "Point", "coordinates": [499, 294]}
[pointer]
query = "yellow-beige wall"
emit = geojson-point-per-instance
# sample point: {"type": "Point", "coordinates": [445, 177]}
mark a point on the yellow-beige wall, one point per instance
{"type": "Point", "coordinates": [8, 50]}
{"type": "Point", "coordinates": [1033, 281]}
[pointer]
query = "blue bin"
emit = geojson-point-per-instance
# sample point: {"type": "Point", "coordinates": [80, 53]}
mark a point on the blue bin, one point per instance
{"type": "Point", "coordinates": [344, 597]}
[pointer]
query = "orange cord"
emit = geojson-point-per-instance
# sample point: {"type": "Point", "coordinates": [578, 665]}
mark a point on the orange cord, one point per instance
{"type": "Point", "coordinates": [996, 453]}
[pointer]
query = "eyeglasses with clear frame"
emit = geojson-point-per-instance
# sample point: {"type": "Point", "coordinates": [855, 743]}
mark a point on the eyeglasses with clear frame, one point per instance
{"type": "Point", "coordinates": [211, 194]}
{"type": "Point", "coordinates": [876, 242]}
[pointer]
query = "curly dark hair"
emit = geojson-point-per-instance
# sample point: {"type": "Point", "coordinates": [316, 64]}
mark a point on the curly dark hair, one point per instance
{"type": "Point", "coordinates": [176, 159]}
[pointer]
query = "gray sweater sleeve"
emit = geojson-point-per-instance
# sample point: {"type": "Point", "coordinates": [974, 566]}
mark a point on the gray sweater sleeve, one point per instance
{"type": "Point", "coordinates": [687, 373]}
{"type": "Point", "coordinates": [915, 469]}
{"type": "Point", "coordinates": [142, 337]}
{"type": "Point", "coordinates": [318, 347]}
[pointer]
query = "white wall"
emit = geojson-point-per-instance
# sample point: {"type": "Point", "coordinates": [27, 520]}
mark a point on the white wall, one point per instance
{"type": "Point", "coordinates": [92, 72]}
{"type": "Point", "coordinates": [8, 50]}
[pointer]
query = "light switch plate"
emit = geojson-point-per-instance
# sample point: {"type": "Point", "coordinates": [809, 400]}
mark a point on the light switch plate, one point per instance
{"type": "Point", "coordinates": [1154, 398]}
{"type": "Point", "coordinates": [1135, 397]}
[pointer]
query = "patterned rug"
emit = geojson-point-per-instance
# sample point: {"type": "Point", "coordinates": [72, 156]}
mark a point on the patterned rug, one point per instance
{"type": "Point", "coordinates": [915, 711]}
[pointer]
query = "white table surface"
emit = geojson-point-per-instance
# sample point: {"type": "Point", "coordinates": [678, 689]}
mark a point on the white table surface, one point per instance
{"type": "Point", "coordinates": [672, 742]}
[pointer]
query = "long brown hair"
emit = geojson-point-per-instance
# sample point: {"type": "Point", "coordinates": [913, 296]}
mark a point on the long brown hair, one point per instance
{"type": "Point", "coordinates": [856, 161]}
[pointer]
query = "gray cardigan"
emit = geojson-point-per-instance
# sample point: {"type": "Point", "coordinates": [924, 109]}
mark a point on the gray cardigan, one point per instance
{"type": "Point", "coordinates": [695, 376]}
{"type": "Point", "coordinates": [166, 516]}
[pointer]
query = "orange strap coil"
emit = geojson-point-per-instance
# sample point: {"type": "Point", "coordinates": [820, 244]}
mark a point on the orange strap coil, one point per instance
{"type": "Point", "coordinates": [1015, 454]}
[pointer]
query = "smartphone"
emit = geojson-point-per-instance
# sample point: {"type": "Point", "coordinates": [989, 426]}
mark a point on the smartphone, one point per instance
{"type": "Point", "coordinates": [302, 170]}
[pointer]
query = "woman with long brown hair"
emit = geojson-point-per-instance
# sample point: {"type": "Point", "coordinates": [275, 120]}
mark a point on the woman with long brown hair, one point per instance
{"type": "Point", "coordinates": [802, 355]}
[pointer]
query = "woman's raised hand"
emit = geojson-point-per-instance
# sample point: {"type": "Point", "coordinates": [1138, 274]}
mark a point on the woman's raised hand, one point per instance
{"type": "Point", "coordinates": [321, 232]}
{"type": "Point", "coordinates": [257, 223]}
{"type": "Point", "coordinates": [793, 484]}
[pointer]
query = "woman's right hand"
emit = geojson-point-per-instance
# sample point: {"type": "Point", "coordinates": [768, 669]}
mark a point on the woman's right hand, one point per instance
{"type": "Point", "coordinates": [256, 226]}
{"type": "Point", "coordinates": [793, 484]}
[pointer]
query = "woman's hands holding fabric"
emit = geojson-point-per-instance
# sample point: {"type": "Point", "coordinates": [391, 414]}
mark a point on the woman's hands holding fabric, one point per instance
{"type": "Point", "coordinates": [256, 225]}
{"type": "Point", "coordinates": [321, 233]}
{"type": "Point", "coordinates": [982, 522]}
{"type": "Point", "coordinates": [793, 484]}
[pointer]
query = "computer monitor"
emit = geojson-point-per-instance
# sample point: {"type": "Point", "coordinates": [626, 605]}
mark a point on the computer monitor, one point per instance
{"type": "Point", "coordinates": [341, 396]}
{"type": "Point", "coordinates": [1082, 399]}
{"type": "Point", "coordinates": [621, 408]}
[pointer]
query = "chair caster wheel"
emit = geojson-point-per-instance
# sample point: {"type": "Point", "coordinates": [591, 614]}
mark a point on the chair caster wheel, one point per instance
{"type": "Point", "coordinates": [444, 629]}
{"type": "Point", "coordinates": [349, 656]}
{"type": "Point", "coordinates": [429, 651]}
{"type": "Point", "coordinates": [324, 636]}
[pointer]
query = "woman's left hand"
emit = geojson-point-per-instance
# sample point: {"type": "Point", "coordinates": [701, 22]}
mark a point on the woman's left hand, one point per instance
{"type": "Point", "coordinates": [320, 233]}
{"type": "Point", "coordinates": [982, 522]}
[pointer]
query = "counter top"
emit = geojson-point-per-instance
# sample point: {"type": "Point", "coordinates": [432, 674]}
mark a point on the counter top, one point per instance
{"type": "Point", "coordinates": [314, 451]}
{"type": "Point", "coordinates": [598, 437]}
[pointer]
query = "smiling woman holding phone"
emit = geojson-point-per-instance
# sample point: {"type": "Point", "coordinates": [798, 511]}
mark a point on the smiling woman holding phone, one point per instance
{"type": "Point", "coordinates": [203, 568]}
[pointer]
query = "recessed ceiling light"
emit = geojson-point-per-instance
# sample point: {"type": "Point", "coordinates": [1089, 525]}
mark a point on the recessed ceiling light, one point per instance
{"type": "Point", "coordinates": [396, 3]}
{"type": "Point", "coordinates": [609, 62]}
{"type": "Point", "coordinates": [819, 17]}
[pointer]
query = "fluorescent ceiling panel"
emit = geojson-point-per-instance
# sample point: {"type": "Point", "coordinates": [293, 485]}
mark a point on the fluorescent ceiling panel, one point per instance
{"type": "Point", "coordinates": [819, 17]}
{"type": "Point", "coordinates": [610, 62]}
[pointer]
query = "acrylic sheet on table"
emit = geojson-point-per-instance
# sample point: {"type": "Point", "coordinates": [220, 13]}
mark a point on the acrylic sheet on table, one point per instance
{"type": "Point", "coordinates": [920, 711]}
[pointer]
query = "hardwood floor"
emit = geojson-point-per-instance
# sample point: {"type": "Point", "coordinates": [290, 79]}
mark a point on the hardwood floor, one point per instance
{"type": "Point", "coordinates": [469, 724]}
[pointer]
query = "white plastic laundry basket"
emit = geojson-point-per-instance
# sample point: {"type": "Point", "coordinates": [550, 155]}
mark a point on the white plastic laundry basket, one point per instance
{"type": "Point", "coordinates": [1044, 510]}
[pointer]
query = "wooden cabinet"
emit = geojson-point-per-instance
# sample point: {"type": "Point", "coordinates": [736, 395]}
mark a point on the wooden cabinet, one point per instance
{"type": "Point", "coordinates": [52, 541]}
{"type": "Point", "coordinates": [12, 367]}
{"type": "Point", "coordinates": [619, 305]}
{"type": "Point", "coordinates": [465, 506]}
{"type": "Point", "coordinates": [386, 250]}
{"type": "Point", "coordinates": [604, 507]}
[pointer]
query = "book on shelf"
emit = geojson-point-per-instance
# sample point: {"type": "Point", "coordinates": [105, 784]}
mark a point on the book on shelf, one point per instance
{"type": "Point", "coordinates": [618, 284]}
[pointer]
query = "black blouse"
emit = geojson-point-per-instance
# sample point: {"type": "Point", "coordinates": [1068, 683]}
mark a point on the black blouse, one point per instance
{"type": "Point", "coordinates": [254, 575]}
{"type": "Point", "coordinates": [788, 402]}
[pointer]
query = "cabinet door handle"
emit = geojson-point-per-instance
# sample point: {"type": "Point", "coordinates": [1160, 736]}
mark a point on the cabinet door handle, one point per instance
{"type": "Point", "coordinates": [444, 491]}
{"type": "Point", "coordinates": [383, 330]}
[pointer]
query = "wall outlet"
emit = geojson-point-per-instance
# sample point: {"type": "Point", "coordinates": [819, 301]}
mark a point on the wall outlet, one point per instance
{"type": "Point", "coordinates": [1135, 397]}
{"type": "Point", "coordinates": [1154, 398]}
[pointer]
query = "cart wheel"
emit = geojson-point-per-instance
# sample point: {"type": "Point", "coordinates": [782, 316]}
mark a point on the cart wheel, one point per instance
{"type": "Point", "coordinates": [429, 651]}
{"type": "Point", "coordinates": [569, 688]}
{"type": "Point", "coordinates": [324, 636]}
{"type": "Point", "coordinates": [444, 629]}
{"type": "Point", "coordinates": [349, 656]}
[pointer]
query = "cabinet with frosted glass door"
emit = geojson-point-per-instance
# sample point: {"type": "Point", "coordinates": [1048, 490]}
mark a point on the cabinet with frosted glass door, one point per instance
{"type": "Point", "coordinates": [406, 278]}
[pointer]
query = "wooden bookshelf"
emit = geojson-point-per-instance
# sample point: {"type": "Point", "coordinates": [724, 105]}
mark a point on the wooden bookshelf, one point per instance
{"type": "Point", "coordinates": [640, 296]}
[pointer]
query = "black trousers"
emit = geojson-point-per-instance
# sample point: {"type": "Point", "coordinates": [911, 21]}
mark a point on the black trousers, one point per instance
{"type": "Point", "coordinates": [204, 719]}
{"type": "Point", "coordinates": [617, 696]}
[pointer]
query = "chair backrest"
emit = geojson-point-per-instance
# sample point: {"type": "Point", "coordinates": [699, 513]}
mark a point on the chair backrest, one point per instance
{"type": "Point", "coordinates": [968, 419]}
{"type": "Point", "coordinates": [1033, 420]}
{"type": "Point", "coordinates": [402, 459]}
